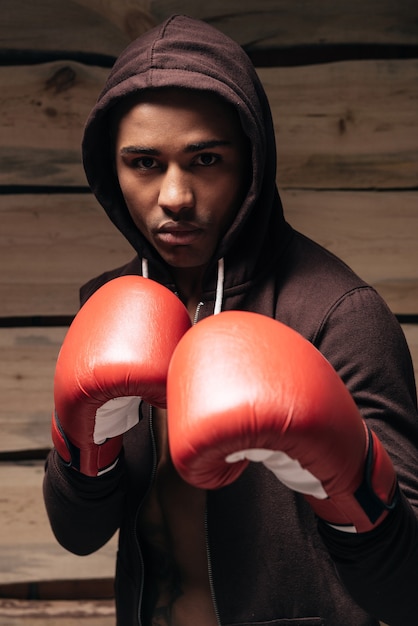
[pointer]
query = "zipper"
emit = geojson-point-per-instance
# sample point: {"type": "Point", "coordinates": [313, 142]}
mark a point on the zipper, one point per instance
{"type": "Point", "coordinates": [196, 313]}
{"type": "Point", "coordinates": [153, 473]}
{"type": "Point", "coordinates": [208, 554]}
{"type": "Point", "coordinates": [210, 572]}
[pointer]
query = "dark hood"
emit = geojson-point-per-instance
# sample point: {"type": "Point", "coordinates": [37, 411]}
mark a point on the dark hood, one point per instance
{"type": "Point", "coordinates": [188, 53]}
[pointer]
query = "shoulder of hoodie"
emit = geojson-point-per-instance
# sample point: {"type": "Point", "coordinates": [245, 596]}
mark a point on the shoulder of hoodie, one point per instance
{"type": "Point", "coordinates": [87, 290]}
{"type": "Point", "coordinates": [315, 286]}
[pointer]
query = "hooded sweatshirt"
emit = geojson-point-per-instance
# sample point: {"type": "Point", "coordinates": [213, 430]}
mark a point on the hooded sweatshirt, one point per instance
{"type": "Point", "coordinates": [270, 560]}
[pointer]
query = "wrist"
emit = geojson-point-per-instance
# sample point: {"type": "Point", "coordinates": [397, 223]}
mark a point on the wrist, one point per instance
{"type": "Point", "coordinates": [85, 485]}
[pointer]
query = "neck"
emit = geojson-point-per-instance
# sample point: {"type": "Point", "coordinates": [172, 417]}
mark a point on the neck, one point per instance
{"type": "Point", "coordinates": [189, 286]}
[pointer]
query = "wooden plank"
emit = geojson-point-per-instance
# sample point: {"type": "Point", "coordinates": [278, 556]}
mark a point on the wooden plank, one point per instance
{"type": "Point", "coordinates": [375, 233]}
{"type": "Point", "coordinates": [68, 26]}
{"type": "Point", "coordinates": [51, 244]}
{"type": "Point", "coordinates": [411, 334]}
{"type": "Point", "coordinates": [275, 23]}
{"type": "Point", "coordinates": [35, 613]}
{"type": "Point", "coordinates": [27, 365]}
{"type": "Point", "coordinates": [350, 125]}
{"type": "Point", "coordinates": [56, 613]}
{"type": "Point", "coordinates": [79, 589]}
{"type": "Point", "coordinates": [28, 549]}
{"type": "Point", "coordinates": [105, 26]}
{"type": "Point", "coordinates": [344, 125]}
{"type": "Point", "coordinates": [42, 119]}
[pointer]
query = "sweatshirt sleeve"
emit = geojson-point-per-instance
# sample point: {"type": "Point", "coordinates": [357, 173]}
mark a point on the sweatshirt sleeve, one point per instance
{"type": "Point", "coordinates": [380, 568]}
{"type": "Point", "coordinates": [84, 512]}
{"type": "Point", "coordinates": [366, 346]}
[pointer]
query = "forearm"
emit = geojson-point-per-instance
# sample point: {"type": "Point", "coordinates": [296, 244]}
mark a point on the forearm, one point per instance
{"type": "Point", "coordinates": [84, 512]}
{"type": "Point", "coordinates": [380, 568]}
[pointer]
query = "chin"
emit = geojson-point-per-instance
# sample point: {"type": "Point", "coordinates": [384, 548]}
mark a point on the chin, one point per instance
{"type": "Point", "coordinates": [180, 262]}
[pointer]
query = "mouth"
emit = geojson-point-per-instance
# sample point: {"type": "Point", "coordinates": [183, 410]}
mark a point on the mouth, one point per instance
{"type": "Point", "coordinates": [178, 234]}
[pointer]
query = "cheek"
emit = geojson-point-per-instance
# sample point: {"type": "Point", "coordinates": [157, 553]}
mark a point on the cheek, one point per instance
{"type": "Point", "coordinates": [128, 185]}
{"type": "Point", "coordinates": [231, 194]}
{"type": "Point", "coordinates": [138, 198]}
{"type": "Point", "coordinates": [136, 209]}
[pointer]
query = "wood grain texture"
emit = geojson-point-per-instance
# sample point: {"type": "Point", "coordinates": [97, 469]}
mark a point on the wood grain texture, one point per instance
{"type": "Point", "coordinates": [106, 26]}
{"type": "Point", "coordinates": [276, 23]}
{"type": "Point", "coordinates": [28, 549]}
{"type": "Point", "coordinates": [65, 26]}
{"type": "Point", "coordinates": [42, 117]}
{"type": "Point", "coordinates": [411, 334]}
{"type": "Point", "coordinates": [347, 125]}
{"type": "Point", "coordinates": [56, 613]}
{"type": "Point", "coordinates": [49, 246]}
{"type": "Point", "coordinates": [27, 365]}
{"type": "Point", "coordinates": [375, 233]}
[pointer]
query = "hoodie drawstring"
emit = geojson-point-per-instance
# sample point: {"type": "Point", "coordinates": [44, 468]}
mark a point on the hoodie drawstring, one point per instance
{"type": "Point", "coordinates": [219, 287]}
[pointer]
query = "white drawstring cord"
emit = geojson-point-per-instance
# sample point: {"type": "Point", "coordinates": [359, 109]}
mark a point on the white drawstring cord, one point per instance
{"type": "Point", "coordinates": [144, 267]}
{"type": "Point", "coordinates": [219, 287]}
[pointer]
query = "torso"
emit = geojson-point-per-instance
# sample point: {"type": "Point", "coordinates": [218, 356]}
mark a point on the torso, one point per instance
{"type": "Point", "coordinates": [173, 537]}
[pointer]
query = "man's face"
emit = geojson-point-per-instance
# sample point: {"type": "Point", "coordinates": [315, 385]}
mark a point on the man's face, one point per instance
{"type": "Point", "coordinates": [182, 163]}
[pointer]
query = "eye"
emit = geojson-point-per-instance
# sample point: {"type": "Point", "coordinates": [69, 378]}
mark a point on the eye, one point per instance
{"type": "Point", "coordinates": [207, 158]}
{"type": "Point", "coordinates": [144, 163]}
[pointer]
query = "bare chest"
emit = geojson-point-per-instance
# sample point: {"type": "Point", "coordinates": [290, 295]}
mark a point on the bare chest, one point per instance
{"type": "Point", "coordinates": [173, 538]}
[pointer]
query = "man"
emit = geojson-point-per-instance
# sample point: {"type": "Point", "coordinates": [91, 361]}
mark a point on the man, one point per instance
{"type": "Point", "coordinates": [321, 527]}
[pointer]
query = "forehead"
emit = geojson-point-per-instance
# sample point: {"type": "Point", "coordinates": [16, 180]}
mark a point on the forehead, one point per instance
{"type": "Point", "coordinates": [180, 109]}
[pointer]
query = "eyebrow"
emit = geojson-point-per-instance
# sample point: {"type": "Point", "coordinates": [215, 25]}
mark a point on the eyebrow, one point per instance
{"type": "Point", "coordinates": [193, 147]}
{"type": "Point", "coordinates": [205, 145]}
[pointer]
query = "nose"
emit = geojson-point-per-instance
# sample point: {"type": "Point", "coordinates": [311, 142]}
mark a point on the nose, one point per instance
{"type": "Point", "coordinates": [176, 193]}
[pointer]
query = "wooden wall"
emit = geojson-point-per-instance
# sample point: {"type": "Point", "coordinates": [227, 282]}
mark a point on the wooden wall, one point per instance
{"type": "Point", "coordinates": [343, 83]}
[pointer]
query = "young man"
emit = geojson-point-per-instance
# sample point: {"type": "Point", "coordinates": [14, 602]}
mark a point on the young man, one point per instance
{"type": "Point", "coordinates": [180, 152]}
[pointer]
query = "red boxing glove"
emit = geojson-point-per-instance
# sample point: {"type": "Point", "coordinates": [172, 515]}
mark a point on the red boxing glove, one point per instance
{"type": "Point", "coordinates": [116, 352]}
{"type": "Point", "coordinates": [243, 387]}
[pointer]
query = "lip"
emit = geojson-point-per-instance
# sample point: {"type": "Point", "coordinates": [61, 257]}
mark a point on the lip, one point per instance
{"type": "Point", "coordinates": [178, 234]}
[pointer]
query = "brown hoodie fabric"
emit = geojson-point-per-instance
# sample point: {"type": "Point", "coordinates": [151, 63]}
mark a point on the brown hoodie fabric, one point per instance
{"type": "Point", "coordinates": [271, 561]}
